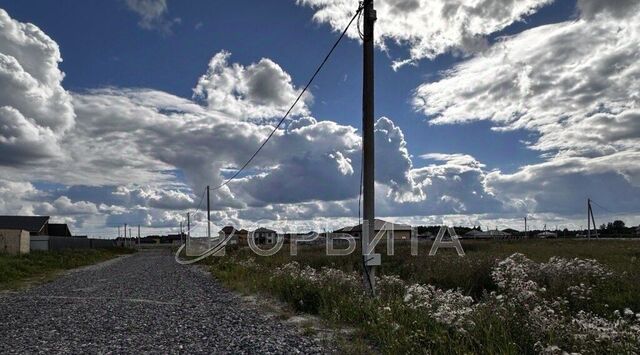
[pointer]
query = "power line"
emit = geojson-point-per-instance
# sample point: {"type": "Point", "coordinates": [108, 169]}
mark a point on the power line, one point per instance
{"type": "Point", "coordinates": [201, 199]}
{"type": "Point", "coordinates": [358, 23]}
{"type": "Point", "coordinates": [326, 58]}
{"type": "Point", "coordinates": [304, 90]}
{"type": "Point", "coordinates": [198, 208]}
{"type": "Point", "coordinates": [604, 208]}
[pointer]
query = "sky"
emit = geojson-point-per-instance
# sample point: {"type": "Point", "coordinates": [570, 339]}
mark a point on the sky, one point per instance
{"type": "Point", "coordinates": [487, 111]}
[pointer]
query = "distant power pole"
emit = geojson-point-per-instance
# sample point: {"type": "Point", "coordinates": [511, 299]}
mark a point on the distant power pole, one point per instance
{"type": "Point", "coordinates": [525, 227]}
{"type": "Point", "coordinates": [590, 220]}
{"type": "Point", "coordinates": [124, 244]}
{"type": "Point", "coordinates": [368, 112]}
{"type": "Point", "coordinates": [208, 214]}
{"type": "Point", "coordinates": [188, 227]}
{"type": "Point", "coordinates": [138, 236]}
{"type": "Point", "coordinates": [130, 237]}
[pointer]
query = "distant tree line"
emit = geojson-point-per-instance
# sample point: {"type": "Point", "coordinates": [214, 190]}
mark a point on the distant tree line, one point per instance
{"type": "Point", "coordinates": [616, 228]}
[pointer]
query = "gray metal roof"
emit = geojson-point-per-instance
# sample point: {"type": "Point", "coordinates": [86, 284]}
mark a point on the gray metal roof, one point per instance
{"type": "Point", "coordinates": [32, 224]}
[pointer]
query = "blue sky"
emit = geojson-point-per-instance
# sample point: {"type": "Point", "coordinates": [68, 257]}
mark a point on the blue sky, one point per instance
{"type": "Point", "coordinates": [108, 46]}
{"type": "Point", "coordinates": [111, 50]}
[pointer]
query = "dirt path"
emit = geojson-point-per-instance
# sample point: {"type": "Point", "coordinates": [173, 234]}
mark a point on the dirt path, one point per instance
{"type": "Point", "coordinates": [142, 303]}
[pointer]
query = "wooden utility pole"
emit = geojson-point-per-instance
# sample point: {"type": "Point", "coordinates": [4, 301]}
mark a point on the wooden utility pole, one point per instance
{"type": "Point", "coordinates": [208, 214]}
{"type": "Point", "coordinates": [188, 227]}
{"type": "Point", "coordinates": [124, 244]}
{"type": "Point", "coordinates": [590, 220]}
{"type": "Point", "coordinates": [368, 180]}
{"type": "Point", "coordinates": [525, 227]}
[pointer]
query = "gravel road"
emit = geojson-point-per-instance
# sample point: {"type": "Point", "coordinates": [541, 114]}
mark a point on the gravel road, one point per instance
{"type": "Point", "coordinates": [143, 303]}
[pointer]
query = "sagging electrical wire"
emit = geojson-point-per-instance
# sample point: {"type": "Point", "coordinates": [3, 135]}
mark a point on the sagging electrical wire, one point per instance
{"type": "Point", "coordinates": [306, 87]}
{"type": "Point", "coordinates": [360, 33]}
{"type": "Point", "coordinates": [304, 90]}
{"type": "Point", "coordinates": [197, 210]}
{"type": "Point", "coordinates": [599, 205]}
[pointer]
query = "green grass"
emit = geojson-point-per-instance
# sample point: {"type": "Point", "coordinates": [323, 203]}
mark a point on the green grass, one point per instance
{"type": "Point", "coordinates": [403, 330]}
{"type": "Point", "coordinates": [17, 270]}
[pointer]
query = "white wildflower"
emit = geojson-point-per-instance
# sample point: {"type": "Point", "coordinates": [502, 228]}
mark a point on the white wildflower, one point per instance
{"type": "Point", "coordinates": [448, 307]}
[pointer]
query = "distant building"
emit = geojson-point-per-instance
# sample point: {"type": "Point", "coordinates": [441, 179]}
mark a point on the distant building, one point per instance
{"type": "Point", "coordinates": [400, 231]}
{"type": "Point", "coordinates": [492, 234]}
{"type": "Point", "coordinates": [243, 235]}
{"type": "Point", "coordinates": [547, 234]}
{"type": "Point", "coordinates": [229, 231]}
{"type": "Point", "coordinates": [35, 225]}
{"type": "Point", "coordinates": [265, 236]}
{"type": "Point", "coordinates": [59, 230]}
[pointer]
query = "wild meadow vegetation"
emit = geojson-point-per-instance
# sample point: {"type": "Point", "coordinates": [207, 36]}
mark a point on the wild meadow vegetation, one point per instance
{"type": "Point", "coordinates": [17, 269]}
{"type": "Point", "coordinates": [503, 297]}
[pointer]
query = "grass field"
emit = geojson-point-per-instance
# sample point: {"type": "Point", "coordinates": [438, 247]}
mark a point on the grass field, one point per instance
{"type": "Point", "coordinates": [509, 297]}
{"type": "Point", "coordinates": [16, 270]}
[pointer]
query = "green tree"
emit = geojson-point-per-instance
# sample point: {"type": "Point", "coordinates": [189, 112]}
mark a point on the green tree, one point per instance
{"type": "Point", "coordinates": [618, 225]}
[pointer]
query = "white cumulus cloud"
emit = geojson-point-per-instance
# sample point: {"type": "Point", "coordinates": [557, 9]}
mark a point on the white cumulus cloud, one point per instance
{"type": "Point", "coordinates": [257, 91]}
{"type": "Point", "coordinates": [153, 14]}
{"type": "Point", "coordinates": [430, 27]}
{"type": "Point", "coordinates": [576, 85]}
{"type": "Point", "coordinates": [35, 110]}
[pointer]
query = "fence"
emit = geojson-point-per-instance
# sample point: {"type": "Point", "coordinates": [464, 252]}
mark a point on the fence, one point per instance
{"type": "Point", "coordinates": [47, 243]}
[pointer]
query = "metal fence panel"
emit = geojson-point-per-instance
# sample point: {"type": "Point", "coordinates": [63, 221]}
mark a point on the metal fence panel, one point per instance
{"type": "Point", "coordinates": [59, 243]}
{"type": "Point", "coordinates": [102, 243]}
{"type": "Point", "coordinates": [39, 242]}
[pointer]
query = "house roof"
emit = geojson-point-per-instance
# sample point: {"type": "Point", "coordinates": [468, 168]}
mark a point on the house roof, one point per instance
{"type": "Point", "coordinates": [379, 223]}
{"type": "Point", "coordinates": [59, 230]}
{"type": "Point", "coordinates": [264, 230]}
{"type": "Point", "coordinates": [32, 224]}
{"type": "Point", "coordinates": [228, 230]}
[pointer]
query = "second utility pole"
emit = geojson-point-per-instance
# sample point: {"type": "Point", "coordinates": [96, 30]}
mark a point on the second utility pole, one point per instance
{"type": "Point", "coordinates": [208, 215]}
{"type": "Point", "coordinates": [368, 182]}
